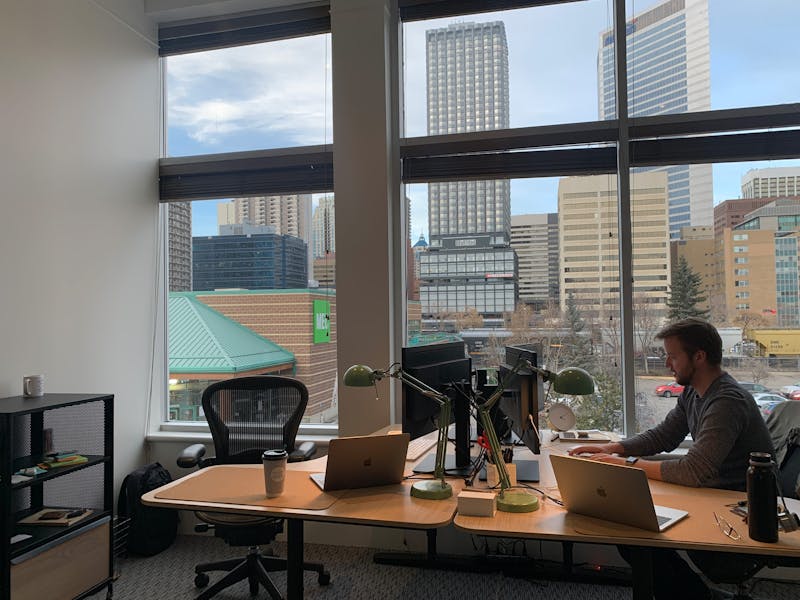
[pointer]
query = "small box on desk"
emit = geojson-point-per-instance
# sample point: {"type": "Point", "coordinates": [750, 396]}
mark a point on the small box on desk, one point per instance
{"type": "Point", "coordinates": [477, 504]}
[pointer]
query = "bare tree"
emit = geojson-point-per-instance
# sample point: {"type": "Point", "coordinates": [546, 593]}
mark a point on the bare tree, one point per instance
{"type": "Point", "coordinates": [748, 321]}
{"type": "Point", "coordinates": [646, 322]}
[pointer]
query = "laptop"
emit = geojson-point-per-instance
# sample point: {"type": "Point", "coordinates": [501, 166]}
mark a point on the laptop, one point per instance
{"type": "Point", "coordinates": [363, 461]}
{"type": "Point", "coordinates": [611, 492]}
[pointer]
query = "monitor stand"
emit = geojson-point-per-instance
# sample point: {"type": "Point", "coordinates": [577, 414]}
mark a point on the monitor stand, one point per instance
{"type": "Point", "coordinates": [527, 471]}
{"type": "Point", "coordinates": [426, 465]}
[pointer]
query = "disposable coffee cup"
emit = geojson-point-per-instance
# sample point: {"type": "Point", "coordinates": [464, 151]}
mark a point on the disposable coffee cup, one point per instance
{"type": "Point", "coordinates": [274, 471]}
{"type": "Point", "coordinates": [33, 386]}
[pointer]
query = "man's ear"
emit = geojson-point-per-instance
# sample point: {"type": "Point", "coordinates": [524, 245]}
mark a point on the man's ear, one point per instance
{"type": "Point", "coordinates": [700, 356]}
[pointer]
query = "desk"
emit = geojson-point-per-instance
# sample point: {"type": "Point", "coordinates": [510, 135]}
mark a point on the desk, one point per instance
{"type": "Point", "coordinates": [698, 531]}
{"type": "Point", "coordinates": [385, 506]}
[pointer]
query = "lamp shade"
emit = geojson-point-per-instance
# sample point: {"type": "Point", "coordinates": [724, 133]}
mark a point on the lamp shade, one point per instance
{"type": "Point", "coordinates": [572, 381]}
{"type": "Point", "coordinates": [359, 376]}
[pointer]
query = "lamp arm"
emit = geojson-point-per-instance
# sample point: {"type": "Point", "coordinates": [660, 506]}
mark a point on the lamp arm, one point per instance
{"type": "Point", "coordinates": [420, 386]}
{"type": "Point", "coordinates": [494, 447]}
{"type": "Point", "coordinates": [444, 414]}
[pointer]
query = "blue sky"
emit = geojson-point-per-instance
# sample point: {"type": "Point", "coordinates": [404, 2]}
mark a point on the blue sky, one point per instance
{"type": "Point", "coordinates": [278, 95]}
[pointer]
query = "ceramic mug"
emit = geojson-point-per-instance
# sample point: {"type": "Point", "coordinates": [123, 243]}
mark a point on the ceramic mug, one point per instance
{"type": "Point", "coordinates": [33, 386]}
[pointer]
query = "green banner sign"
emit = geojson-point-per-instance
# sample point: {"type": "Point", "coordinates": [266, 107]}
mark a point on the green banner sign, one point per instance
{"type": "Point", "coordinates": [322, 321]}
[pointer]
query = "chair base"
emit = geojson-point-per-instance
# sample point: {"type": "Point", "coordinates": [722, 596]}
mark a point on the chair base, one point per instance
{"type": "Point", "coordinates": [255, 568]}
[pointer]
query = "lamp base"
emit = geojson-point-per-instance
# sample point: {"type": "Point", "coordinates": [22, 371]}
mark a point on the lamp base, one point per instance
{"type": "Point", "coordinates": [431, 489]}
{"type": "Point", "coordinates": [517, 501]}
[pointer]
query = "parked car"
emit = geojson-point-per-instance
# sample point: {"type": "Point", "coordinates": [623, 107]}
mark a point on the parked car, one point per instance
{"type": "Point", "coordinates": [755, 388]}
{"type": "Point", "coordinates": [795, 395]}
{"type": "Point", "coordinates": [767, 402]}
{"type": "Point", "coordinates": [788, 389]}
{"type": "Point", "coordinates": [670, 389]}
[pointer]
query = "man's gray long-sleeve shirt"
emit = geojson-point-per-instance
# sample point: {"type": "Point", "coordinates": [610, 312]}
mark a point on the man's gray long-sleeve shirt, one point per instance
{"type": "Point", "coordinates": [726, 427]}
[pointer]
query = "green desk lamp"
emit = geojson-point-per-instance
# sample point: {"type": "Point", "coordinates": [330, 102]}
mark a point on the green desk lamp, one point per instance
{"type": "Point", "coordinates": [364, 376]}
{"type": "Point", "coordinates": [571, 380]}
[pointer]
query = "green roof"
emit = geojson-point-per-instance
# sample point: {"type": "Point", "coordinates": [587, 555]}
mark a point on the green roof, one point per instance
{"type": "Point", "coordinates": [201, 340]}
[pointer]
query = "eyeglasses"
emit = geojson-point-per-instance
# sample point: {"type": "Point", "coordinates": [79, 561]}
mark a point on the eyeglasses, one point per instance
{"type": "Point", "coordinates": [726, 527]}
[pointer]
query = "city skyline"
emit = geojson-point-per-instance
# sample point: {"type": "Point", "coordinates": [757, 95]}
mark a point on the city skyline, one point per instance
{"type": "Point", "coordinates": [747, 49]}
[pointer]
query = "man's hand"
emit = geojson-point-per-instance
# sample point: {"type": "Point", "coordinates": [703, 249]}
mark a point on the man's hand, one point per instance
{"type": "Point", "coordinates": [605, 449]}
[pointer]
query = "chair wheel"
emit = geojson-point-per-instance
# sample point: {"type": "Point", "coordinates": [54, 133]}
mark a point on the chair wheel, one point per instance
{"type": "Point", "coordinates": [201, 580]}
{"type": "Point", "coordinates": [324, 578]}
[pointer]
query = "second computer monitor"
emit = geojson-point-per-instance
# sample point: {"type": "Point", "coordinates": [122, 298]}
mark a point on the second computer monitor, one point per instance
{"type": "Point", "coordinates": [522, 395]}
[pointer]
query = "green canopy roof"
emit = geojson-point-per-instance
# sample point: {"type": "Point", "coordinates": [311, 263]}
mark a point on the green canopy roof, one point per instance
{"type": "Point", "coordinates": [201, 340]}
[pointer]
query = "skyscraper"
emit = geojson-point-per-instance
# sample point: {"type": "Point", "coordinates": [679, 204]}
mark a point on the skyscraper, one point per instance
{"type": "Point", "coordinates": [589, 244]}
{"type": "Point", "coordinates": [535, 240]}
{"type": "Point", "coordinates": [775, 181]}
{"type": "Point", "coordinates": [288, 215]}
{"type": "Point", "coordinates": [669, 71]}
{"type": "Point", "coordinates": [470, 263]}
{"type": "Point", "coordinates": [179, 216]}
{"type": "Point", "coordinates": [323, 227]}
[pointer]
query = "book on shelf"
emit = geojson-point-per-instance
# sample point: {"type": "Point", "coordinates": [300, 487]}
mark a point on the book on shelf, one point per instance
{"type": "Point", "coordinates": [56, 516]}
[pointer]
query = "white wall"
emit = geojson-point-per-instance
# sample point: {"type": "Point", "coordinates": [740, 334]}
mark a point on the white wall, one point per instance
{"type": "Point", "coordinates": [79, 118]}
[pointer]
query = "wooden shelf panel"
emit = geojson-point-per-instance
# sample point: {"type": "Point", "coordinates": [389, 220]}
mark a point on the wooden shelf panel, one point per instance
{"type": "Point", "coordinates": [23, 462]}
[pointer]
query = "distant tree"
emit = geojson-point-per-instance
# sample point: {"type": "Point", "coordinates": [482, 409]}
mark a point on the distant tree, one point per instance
{"type": "Point", "coordinates": [646, 321]}
{"type": "Point", "coordinates": [749, 321]}
{"type": "Point", "coordinates": [685, 293]}
{"type": "Point", "coordinates": [577, 348]}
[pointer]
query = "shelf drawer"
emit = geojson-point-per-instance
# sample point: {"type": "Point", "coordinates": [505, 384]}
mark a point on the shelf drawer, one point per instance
{"type": "Point", "coordinates": [64, 570]}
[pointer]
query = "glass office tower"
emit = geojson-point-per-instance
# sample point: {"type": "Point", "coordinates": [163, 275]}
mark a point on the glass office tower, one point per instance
{"type": "Point", "coordinates": [469, 263]}
{"type": "Point", "coordinates": [669, 71]}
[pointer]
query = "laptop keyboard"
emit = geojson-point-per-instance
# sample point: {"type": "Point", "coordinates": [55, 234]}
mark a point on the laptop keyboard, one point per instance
{"type": "Point", "coordinates": [662, 519]}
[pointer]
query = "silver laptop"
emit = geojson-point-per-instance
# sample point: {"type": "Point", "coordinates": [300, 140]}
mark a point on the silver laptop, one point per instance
{"type": "Point", "coordinates": [364, 461]}
{"type": "Point", "coordinates": [610, 492]}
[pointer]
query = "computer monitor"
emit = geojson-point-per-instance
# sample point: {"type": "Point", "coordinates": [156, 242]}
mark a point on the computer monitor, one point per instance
{"type": "Point", "coordinates": [520, 404]}
{"type": "Point", "coordinates": [447, 368]}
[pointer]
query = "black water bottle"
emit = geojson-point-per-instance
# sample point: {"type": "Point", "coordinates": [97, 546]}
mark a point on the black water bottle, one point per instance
{"type": "Point", "coordinates": [762, 498]}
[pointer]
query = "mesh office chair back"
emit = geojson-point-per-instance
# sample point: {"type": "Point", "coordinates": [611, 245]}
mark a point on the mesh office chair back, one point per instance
{"type": "Point", "coordinates": [248, 415]}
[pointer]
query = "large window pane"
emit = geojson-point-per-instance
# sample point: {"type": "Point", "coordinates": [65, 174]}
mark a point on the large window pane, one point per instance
{"type": "Point", "coordinates": [738, 268]}
{"type": "Point", "coordinates": [554, 283]}
{"type": "Point", "coordinates": [696, 55]}
{"type": "Point", "coordinates": [252, 291]}
{"type": "Point", "coordinates": [516, 68]}
{"type": "Point", "coordinates": [254, 97]}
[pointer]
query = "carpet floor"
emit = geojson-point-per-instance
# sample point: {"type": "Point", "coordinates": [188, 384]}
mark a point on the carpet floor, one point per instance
{"type": "Point", "coordinates": [354, 576]}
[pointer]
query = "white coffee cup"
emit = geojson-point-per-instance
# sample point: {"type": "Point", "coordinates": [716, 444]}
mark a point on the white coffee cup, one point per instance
{"type": "Point", "coordinates": [274, 471]}
{"type": "Point", "coordinates": [33, 386]}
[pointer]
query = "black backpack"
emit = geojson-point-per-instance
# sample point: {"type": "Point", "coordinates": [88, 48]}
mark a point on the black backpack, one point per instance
{"type": "Point", "coordinates": [150, 529]}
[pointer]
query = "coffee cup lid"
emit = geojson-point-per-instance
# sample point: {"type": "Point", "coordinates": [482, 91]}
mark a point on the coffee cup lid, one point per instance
{"type": "Point", "coordinates": [274, 454]}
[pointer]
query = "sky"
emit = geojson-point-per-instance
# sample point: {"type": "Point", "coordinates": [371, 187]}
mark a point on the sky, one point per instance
{"type": "Point", "coordinates": [277, 95]}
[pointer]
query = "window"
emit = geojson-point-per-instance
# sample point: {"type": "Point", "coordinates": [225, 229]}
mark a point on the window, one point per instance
{"type": "Point", "coordinates": [251, 266]}
{"type": "Point", "coordinates": [672, 198]}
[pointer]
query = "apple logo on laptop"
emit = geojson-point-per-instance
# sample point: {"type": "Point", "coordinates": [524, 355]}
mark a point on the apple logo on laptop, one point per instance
{"type": "Point", "coordinates": [601, 491]}
{"type": "Point", "coordinates": [368, 461]}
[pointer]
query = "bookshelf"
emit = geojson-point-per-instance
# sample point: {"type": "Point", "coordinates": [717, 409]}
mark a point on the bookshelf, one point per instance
{"type": "Point", "coordinates": [56, 561]}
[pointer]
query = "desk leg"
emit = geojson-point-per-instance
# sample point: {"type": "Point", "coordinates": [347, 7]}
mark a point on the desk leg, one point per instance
{"type": "Point", "coordinates": [294, 558]}
{"type": "Point", "coordinates": [643, 574]}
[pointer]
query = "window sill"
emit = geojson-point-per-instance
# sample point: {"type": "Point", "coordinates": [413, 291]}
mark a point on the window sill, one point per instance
{"type": "Point", "coordinates": [192, 433]}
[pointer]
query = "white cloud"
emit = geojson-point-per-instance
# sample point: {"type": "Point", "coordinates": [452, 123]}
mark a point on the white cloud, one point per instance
{"type": "Point", "coordinates": [276, 93]}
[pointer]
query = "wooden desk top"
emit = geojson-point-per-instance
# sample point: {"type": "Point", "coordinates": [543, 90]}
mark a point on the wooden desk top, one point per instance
{"type": "Point", "coordinates": [699, 531]}
{"type": "Point", "coordinates": [390, 505]}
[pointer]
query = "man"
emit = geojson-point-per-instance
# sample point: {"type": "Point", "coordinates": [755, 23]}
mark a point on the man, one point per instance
{"type": "Point", "coordinates": [726, 427]}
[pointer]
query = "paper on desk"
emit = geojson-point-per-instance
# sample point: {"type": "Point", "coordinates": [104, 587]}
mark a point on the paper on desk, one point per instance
{"type": "Point", "coordinates": [19, 537]}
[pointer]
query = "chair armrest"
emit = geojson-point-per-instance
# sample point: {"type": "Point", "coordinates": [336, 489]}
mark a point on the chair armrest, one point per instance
{"type": "Point", "coordinates": [190, 456]}
{"type": "Point", "coordinates": [303, 452]}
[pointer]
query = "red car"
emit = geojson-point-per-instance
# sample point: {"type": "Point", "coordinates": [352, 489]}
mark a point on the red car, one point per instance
{"type": "Point", "coordinates": [669, 390]}
{"type": "Point", "coordinates": [795, 395]}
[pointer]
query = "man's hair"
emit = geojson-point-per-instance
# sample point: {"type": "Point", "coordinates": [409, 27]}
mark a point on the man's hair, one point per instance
{"type": "Point", "coordinates": [693, 335]}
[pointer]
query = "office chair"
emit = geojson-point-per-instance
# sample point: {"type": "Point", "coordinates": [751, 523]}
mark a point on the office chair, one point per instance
{"type": "Point", "coordinates": [247, 416]}
{"type": "Point", "coordinates": [784, 427]}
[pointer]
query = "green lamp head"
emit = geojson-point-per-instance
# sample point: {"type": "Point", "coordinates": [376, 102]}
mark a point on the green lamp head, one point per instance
{"type": "Point", "coordinates": [360, 376]}
{"type": "Point", "coordinates": [573, 381]}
